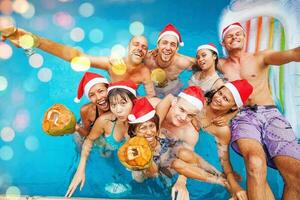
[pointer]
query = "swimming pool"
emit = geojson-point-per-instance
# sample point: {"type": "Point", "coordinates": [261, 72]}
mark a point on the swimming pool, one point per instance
{"type": "Point", "coordinates": [33, 163]}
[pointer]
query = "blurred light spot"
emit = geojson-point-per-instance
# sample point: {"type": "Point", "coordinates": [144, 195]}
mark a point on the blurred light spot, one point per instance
{"type": "Point", "coordinates": [6, 152]}
{"type": "Point", "coordinates": [153, 37]}
{"type": "Point", "coordinates": [3, 83]}
{"type": "Point", "coordinates": [36, 60]}
{"type": "Point", "coordinates": [80, 63]}
{"type": "Point", "coordinates": [26, 41]}
{"type": "Point", "coordinates": [118, 66]}
{"type": "Point", "coordinates": [45, 74]}
{"type": "Point", "coordinates": [31, 143]}
{"type": "Point", "coordinates": [13, 192]}
{"type": "Point", "coordinates": [5, 51]}
{"type": "Point", "coordinates": [136, 28]}
{"type": "Point", "coordinates": [77, 34]}
{"type": "Point", "coordinates": [6, 7]}
{"type": "Point", "coordinates": [118, 51]}
{"type": "Point", "coordinates": [30, 12]}
{"type": "Point", "coordinates": [95, 51]}
{"type": "Point", "coordinates": [6, 21]}
{"type": "Point", "coordinates": [96, 35]}
{"type": "Point", "coordinates": [20, 6]}
{"type": "Point", "coordinates": [21, 121]}
{"type": "Point", "coordinates": [7, 134]}
{"type": "Point", "coordinates": [63, 19]}
{"type": "Point", "coordinates": [31, 84]}
{"type": "Point", "coordinates": [39, 23]}
{"type": "Point", "coordinates": [86, 9]}
{"type": "Point", "coordinates": [17, 96]}
{"type": "Point", "coordinates": [158, 76]}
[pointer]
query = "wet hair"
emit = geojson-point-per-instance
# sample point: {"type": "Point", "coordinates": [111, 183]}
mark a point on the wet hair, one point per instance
{"type": "Point", "coordinates": [196, 67]}
{"type": "Point", "coordinates": [132, 127]}
{"type": "Point", "coordinates": [123, 93]}
{"type": "Point", "coordinates": [210, 94]}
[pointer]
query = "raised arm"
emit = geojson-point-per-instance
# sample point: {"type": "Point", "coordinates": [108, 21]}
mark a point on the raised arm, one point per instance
{"type": "Point", "coordinates": [223, 140]}
{"type": "Point", "coordinates": [79, 177]}
{"type": "Point", "coordinates": [281, 57]}
{"type": "Point", "coordinates": [149, 87]}
{"type": "Point", "coordinates": [163, 107]}
{"type": "Point", "coordinates": [59, 50]}
{"type": "Point", "coordinates": [185, 62]}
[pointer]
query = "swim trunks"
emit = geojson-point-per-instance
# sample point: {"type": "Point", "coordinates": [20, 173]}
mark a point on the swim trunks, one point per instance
{"type": "Point", "coordinates": [172, 87]}
{"type": "Point", "coordinates": [268, 126]}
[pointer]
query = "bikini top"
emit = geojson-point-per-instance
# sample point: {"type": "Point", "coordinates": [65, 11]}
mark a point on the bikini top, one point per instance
{"type": "Point", "coordinates": [110, 140]}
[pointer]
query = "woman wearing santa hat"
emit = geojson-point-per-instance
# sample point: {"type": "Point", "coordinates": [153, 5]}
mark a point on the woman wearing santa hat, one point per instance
{"type": "Point", "coordinates": [227, 99]}
{"type": "Point", "coordinates": [112, 126]}
{"type": "Point", "coordinates": [204, 70]}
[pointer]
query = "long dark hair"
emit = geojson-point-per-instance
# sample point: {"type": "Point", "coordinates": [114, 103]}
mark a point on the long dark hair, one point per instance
{"type": "Point", "coordinates": [196, 67]}
{"type": "Point", "coordinates": [132, 127]}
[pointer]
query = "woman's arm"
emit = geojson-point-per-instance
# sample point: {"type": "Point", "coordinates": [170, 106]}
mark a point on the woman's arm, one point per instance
{"type": "Point", "coordinates": [223, 140]}
{"type": "Point", "coordinates": [163, 107]}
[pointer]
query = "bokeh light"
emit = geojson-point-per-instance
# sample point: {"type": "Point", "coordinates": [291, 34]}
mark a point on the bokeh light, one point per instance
{"type": "Point", "coordinates": [136, 28]}
{"type": "Point", "coordinates": [7, 134]}
{"type": "Point", "coordinates": [118, 65]}
{"type": "Point", "coordinates": [30, 12]}
{"type": "Point", "coordinates": [17, 96]}
{"type": "Point", "coordinates": [63, 19]}
{"type": "Point", "coordinates": [80, 63]}
{"type": "Point", "coordinates": [6, 21]}
{"type": "Point", "coordinates": [6, 152]}
{"type": "Point", "coordinates": [31, 143]}
{"type": "Point", "coordinates": [86, 9]}
{"type": "Point", "coordinates": [6, 7]}
{"type": "Point", "coordinates": [3, 83]}
{"type": "Point", "coordinates": [36, 60]}
{"type": "Point", "coordinates": [20, 6]}
{"type": "Point", "coordinates": [96, 35]}
{"type": "Point", "coordinates": [118, 51]}
{"type": "Point", "coordinates": [26, 41]}
{"type": "Point", "coordinates": [45, 74]}
{"type": "Point", "coordinates": [5, 51]}
{"type": "Point", "coordinates": [158, 76]}
{"type": "Point", "coordinates": [13, 192]}
{"type": "Point", "coordinates": [21, 120]}
{"type": "Point", "coordinates": [77, 34]}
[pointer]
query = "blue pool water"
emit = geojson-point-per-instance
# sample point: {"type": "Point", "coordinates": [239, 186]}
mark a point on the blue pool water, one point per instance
{"type": "Point", "coordinates": [38, 164]}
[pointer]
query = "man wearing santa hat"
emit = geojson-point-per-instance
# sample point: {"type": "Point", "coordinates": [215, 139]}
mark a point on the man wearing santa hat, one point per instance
{"type": "Point", "coordinates": [165, 57]}
{"type": "Point", "coordinates": [260, 132]}
{"type": "Point", "coordinates": [176, 123]}
{"type": "Point", "coordinates": [130, 67]}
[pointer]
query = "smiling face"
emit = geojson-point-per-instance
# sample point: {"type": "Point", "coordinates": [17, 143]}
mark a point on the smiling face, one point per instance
{"type": "Point", "coordinates": [206, 59]}
{"type": "Point", "coordinates": [98, 95]}
{"type": "Point", "coordinates": [182, 112]}
{"type": "Point", "coordinates": [167, 47]}
{"type": "Point", "coordinates": [234, 39]}
{"type": "Point", "coordinates": [147, 130]}
{"type": "Point", "coordinates": [137, 49]}
{"type": "Point", "coordinates": [223, 100]}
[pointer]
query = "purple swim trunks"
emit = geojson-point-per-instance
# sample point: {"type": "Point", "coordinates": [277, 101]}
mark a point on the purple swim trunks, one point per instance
{"type": "Point", "coordinates": [268, 126]}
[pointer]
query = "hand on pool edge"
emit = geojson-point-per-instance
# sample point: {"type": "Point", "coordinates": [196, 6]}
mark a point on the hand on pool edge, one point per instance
{"type": "Point", "coordinates": [79, 178]}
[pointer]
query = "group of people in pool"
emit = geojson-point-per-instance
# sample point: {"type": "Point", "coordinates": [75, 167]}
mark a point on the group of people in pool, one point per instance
{"type": "Point", "coordinates": [228, 98]}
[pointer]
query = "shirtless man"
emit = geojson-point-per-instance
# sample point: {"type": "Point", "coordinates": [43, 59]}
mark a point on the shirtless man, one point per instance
{"type": "Point", "coordinates": [137, 50]}
{"type": "Point", "coordinates": [165, 56]}
{"type": "Point", "coordinates": [176, 123]}
{"type": "Point", "coordinates": [259, 132]}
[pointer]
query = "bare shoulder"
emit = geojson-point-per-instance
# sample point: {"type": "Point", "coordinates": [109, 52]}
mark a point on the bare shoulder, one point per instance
{"type": "Point", "coordinates": [223, 134]}
{"type": "Point", "coordinates": [87, 107]}
{"type": "Point", "coordinates": [106, 116]}
{"type": "Point", "coordinates": [184, 61]}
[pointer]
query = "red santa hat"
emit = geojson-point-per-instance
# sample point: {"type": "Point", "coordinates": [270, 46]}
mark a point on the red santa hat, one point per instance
{"type": "Point", "coordinates": [241, 90]}
{"type": "Point", "coordinates": [127, 85]}
{"type": "Point", "coordinates": [231, 26]}
{"type": "Point", "coordinates": [193, 95]}
{"type": "Point", "coordinates": [88, 80]}
{"type": "Point", "coordinates": [170, 29]}
{"type": "Point", "coordinates": [209, 46]}
{"type": "Point", "coordinates": [141, 112]}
